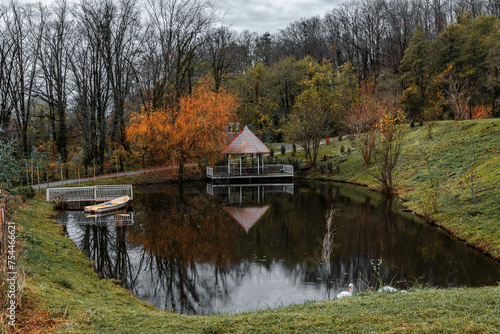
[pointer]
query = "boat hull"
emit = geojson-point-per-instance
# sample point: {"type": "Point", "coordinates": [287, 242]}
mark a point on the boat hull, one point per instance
{"type": "Point", "coordinates": [112, 205]}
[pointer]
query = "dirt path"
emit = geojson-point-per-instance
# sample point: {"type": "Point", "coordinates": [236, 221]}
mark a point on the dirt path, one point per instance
{"type": "Point", "coordinates": [108, 176]}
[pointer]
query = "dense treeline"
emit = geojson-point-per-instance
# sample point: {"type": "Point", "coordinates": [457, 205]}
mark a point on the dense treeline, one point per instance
{"type": "Point", "coordinates": [72, 74]}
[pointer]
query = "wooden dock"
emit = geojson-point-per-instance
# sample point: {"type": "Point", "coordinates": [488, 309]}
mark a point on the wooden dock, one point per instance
{"type": "Point", "coordinates": [238, 172]}
{"type": "Point", "coordinates": [89, 194]}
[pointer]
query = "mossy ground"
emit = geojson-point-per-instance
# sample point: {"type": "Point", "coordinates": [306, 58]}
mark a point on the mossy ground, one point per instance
{"type": "Point", "coordinates": [61, 285]}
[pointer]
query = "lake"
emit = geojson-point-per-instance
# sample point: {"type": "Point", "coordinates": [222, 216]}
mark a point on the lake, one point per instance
{"type": "Point", "coordinates": [219, 248]}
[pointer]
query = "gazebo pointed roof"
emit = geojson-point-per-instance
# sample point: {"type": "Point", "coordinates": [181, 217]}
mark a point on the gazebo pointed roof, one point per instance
{"type": "Point", "coordinates": [246, 217]}
{"type": "Point", "coordinates": [245, 142]}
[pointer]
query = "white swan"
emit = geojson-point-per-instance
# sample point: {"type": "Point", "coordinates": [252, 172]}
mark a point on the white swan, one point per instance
{"type": "Point", "coordinates": [346, 293]}
{"type": "Point", "coordinates": [390, 289]}
{"type": "Point", "coordinates": [387, 289]}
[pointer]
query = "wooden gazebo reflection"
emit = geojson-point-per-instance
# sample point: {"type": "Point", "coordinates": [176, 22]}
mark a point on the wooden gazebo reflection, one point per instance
{"type": "Point", "coordinates": [248, 143]}
{"type": "Point", "coordinates": [246, 216]}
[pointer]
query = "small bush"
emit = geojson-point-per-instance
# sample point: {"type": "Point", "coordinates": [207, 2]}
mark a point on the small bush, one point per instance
{"type": "Point", "coordinates": [340, 137]}
{"type": "Point", "coordinates": [321, 168]}
{"type": "Point", "coordinates": [294, 149]}
{"type": "Point", "coordinates": [283, 149]}
{"type": "Point", "coordinates": [295, 163]}
{"type": "Point", "coordinates": [29, 191]}
{"type": "Point", "coordinates": [342, 149]}
{"type": "Point", "coordinates": [329, 166]}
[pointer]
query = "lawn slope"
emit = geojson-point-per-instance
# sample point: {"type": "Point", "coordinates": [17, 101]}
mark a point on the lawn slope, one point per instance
{"type": "Point", "coordinates": [434, 171]}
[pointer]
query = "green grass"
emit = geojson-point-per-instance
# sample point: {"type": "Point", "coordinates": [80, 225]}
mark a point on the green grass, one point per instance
{"type": "Point", "coordinates": [60, 279]}
{"type": "Point", "coordinates": [446, 158]}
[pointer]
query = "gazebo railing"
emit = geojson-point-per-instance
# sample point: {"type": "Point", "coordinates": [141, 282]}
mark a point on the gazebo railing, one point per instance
{"type": "Point", "coordinates": [84, 194]}
{"type": "Point", "coordinates": [236, 170]}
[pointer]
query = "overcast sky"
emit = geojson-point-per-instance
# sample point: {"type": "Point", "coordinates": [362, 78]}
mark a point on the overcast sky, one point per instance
{"type": "Point", "coordinates": [263, 15]}
{"type": "Point", "coordinates": [271, 15]}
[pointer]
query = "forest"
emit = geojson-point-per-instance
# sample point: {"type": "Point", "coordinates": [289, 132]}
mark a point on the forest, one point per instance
{"type": "Point", "coordinates": [99, 86]}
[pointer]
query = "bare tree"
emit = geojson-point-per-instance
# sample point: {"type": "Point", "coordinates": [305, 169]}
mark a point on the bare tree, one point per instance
{"type": "Point", "coordinates": [121, 50]}
{"type": "Point", "coordinates": [54, 62]}
{"type": "Point", "coordinates": [26, 38]}
{"type": "Point", "coordinates": [459, 91]}
{"type": "Point", "coordinates": [173, 39]}
{"type": "Point", "coordinates": [91, 82]}
{"type": "Point", "coordinates": [6, 68]}
{"type": "Point", "coordinates": [221, 51]}
{"type": "Point", "coordinates": [304, 38]}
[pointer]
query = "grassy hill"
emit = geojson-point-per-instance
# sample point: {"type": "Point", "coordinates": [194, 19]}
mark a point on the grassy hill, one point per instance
{"type": "Point", "coordinates": [431, 177]}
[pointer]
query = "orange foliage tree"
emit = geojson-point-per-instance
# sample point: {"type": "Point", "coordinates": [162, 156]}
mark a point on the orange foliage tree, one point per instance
{"type": "Point", "coordinates": [193, 131]}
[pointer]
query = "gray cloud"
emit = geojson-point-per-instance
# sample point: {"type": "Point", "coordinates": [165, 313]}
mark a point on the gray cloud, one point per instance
{"type": "Point", "coordinates": [261, 15]}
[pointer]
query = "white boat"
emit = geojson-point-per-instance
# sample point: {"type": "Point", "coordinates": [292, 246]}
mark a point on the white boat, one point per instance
{"type": "Point", "coordinates": [114, 204]}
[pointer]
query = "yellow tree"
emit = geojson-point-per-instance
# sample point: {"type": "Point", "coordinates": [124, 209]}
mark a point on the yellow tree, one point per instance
{"type": "Point", "coordinates": [390, 136]}
{"type": "Point", "coordinates": [191, 132]}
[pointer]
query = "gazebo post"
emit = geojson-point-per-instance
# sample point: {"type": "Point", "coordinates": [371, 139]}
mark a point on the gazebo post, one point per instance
{"type": "Point", "coordinates": [240, 164]}
{"type": "Point", "coordinates": [229, 164]}
{"type": "Point", "coordinates": [263, 164]}
{"type": "Point", "coordinates": [258, 164]}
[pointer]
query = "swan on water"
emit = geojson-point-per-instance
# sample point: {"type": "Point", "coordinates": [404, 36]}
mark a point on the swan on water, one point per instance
{"type": "Point", "coordinates": [346, 293]}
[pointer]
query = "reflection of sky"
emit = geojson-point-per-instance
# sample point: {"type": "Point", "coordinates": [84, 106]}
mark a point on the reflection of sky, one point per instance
{"type": "Point", "coordinates": [269, 288]}
{"type": "Point", "coordinates": [240, 288]}
{"type": "Point", "coordinates": [254, 287]}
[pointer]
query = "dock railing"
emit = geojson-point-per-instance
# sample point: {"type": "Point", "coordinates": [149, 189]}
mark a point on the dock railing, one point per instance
{"type": "Point", "coordinates": [234, 170]}
{"type": "Point", "coordinates": [117, 219]}
{"type": "Point", "coordinates": [84, 194]}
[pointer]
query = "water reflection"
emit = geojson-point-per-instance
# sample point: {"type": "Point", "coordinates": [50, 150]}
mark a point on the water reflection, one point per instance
{"type": "Point", "coordinates": [240, 248]}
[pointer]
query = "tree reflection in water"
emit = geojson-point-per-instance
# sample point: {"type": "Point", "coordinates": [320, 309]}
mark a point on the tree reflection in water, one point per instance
{"type": "Point", "coordinates": [188, 255]}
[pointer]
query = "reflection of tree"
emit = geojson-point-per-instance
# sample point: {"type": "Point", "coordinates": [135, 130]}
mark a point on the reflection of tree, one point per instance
{"type": "Point", "coordinates": [178, 239]}
{"type": "Point", "coordinates": [107, 249]}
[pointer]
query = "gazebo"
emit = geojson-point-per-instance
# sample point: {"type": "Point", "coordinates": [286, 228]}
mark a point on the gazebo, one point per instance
{"type": "Point", "coordinates": [247, 143]}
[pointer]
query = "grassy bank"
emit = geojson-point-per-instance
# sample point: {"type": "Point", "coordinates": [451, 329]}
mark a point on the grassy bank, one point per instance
{"type": "Point", "coordinates": [69, 297]}
{"type": "Point", "coordinates": [432, 175]}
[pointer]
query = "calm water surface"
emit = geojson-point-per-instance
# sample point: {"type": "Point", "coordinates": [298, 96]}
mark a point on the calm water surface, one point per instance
{"type": "Point", "coordinates": [233, 249]}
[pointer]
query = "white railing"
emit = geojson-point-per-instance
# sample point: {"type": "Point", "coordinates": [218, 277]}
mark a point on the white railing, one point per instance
{"type": "Point", "coordinates": [266, 188]}
{"type": "Point", "coordinates": [235, 170]}
{"type": "Point", "coordinates": [117, 219]}
{"type": "Point", "coordinates": [83, 194]}
{"type": "Point", "coordinates": [288, 169]}
{"type": "Point", "coordinates": [210, 171]}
